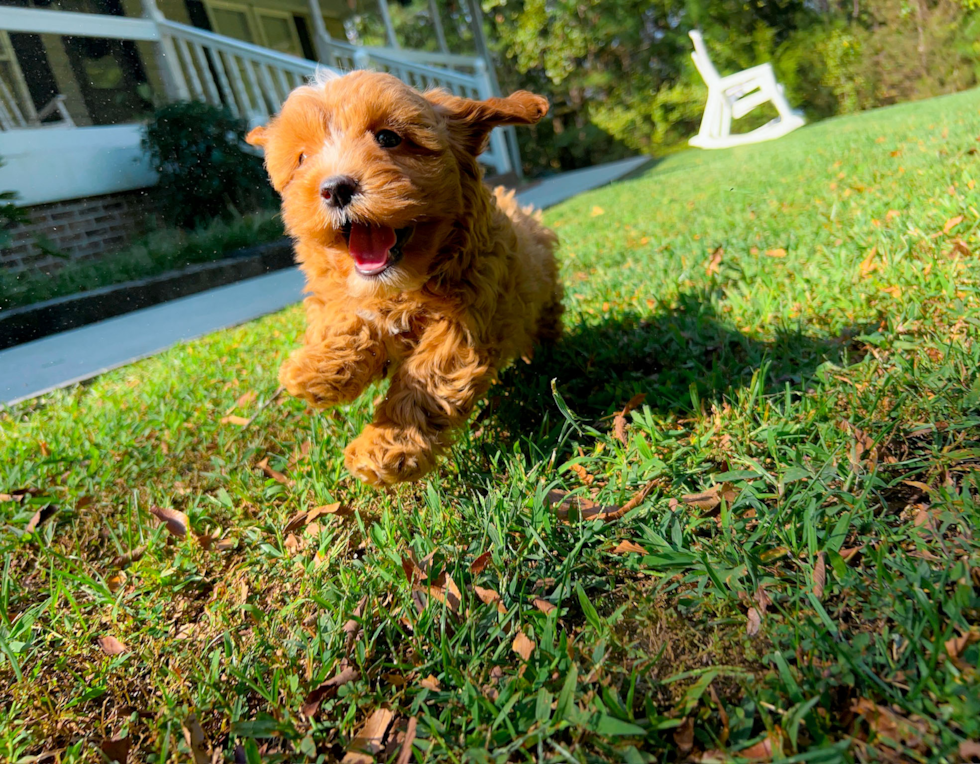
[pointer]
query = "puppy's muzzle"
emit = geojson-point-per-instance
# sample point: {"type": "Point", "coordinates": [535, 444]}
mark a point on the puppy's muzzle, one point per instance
{"type": "Point", "coordinates": [339, 190]}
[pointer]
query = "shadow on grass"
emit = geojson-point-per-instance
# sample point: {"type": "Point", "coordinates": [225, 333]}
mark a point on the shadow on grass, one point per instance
{"type": "Point", "coordinates": [681, 359]}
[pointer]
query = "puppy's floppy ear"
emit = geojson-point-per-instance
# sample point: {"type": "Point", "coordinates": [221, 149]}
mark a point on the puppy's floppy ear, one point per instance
{"type": "Point", "coordinates": [470, 122]}
{"type": "Point", "coordinates": [257, 136]}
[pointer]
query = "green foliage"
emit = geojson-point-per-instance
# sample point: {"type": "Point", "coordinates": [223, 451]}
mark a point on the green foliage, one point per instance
{"type": "Point", "coordinates": [206, 169]}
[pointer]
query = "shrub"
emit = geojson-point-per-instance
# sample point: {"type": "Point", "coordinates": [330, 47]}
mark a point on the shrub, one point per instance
{"type": "Point", "coordinates": [206, 169]}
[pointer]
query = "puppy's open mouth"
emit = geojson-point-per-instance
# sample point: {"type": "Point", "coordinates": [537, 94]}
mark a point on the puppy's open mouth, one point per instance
{"type": "Point", "coordinates": [375, 248]}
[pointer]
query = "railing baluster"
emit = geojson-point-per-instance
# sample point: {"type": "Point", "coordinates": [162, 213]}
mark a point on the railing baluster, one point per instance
{"type": "Point", "coordinates": [187, 64]}
{"type": "Point", "coordinates": [219, 68]}
{"type": "Point", "coordinates": [239, 91]}
{"type": "Point", "coordinates": [213, 98]}
{"type": "Point", "coordinates": [268, 89]}
{"type": "Point", "coordinates": [262, 108]}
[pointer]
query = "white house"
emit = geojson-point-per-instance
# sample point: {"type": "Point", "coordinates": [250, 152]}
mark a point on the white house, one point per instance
{"type": "Point", "coordinates": [77, 77]}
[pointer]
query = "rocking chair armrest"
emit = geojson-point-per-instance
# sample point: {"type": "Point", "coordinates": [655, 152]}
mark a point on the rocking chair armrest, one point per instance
{"type": "Point", "coordinates": [761, 73]}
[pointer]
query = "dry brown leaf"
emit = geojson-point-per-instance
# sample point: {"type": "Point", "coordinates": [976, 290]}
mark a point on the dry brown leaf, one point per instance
{"type": "Point", "coordinates": [956, 645]}
{"type": "Point", "coordinates": [45, 451]}
{"type": "Point", "coordinates": [889, 725]}
{"type": "Point", "coordinates": [572, 508]}
{"type": "Point", "coordinates": [112, 646]}
{"type": "Point", "coordinates": [952, 223]}
{"type": "Point", "coordinates": [370, 740]}
{"type": "Point", "coordinates": [851, 553]}
{"type": "Point", "coordinates": [628, 547]}
{"type": "Point", "coordinates": [245, 398]}
{"type": "Point", "coordinates": [326, 509]}
{"type": "Point", "coordinates": [761, 751]}
{"type": "Point", "coordinates": [129, 557]}
{"type": "Point", "coordinates": [722, 713]}
{"type": "Point", "coordinates": [969, 750]}
{"type": "Point", "coordinates": [291, 543]}
{"type": "Point", "coordinates": [115, 581]}
{"type": "Point", "coordinates": [523, 645]}
{"type": "Point", "coordinates": [714, 264]}
{"type": "Point", "coordinates": [40, 517]}
{"type": "Point", "coordinates": [489, 597]}
{"type": "Point", "coordinates": [116, 749]}
{"type": "Point", "coordinates": [480, 563]}
{"type": "Point", "coordinates": [712, 498]}
{"type": "Point", "coordinates": [684, 735]}
{"type": "Point", "coordinates": [619, 423]}
{"type": "Point", "coordinates": [597, 211]}
{"type": "Point", "coordinates": [960, 247]}
{"type": "Point", "coordinates": [405, 754]}
{"type": "Point", "coordinates": [235, 419]}
{"type": "Point", "coordinates": [543, 605]}
{"type": "Point", "coordinates": [175, 520]}
{"type": "Point", "coordinates": [583, 474]}
{"type": "Point", "coordinates": [412, 572]}
{"type": "Point", "coordinates": [271, 473]}
{"type": "Point", "coordinates": [194, 737]}
{"type": "Point", "coordinates": [868, 265]}
{"type": "Point", "coordinates": [430, 683]}
{"type": "Point", "coordinates": [296, 521]}
{"type": "Point", "coordinates": [754, 623]}
{"type": "Point", "coordinates": [226, 545]}
{"type": "Point", "coordinates": [778, 252]}
{"type": "Point", "coordinates": [326, 690]}
{"type": "Point", "coordinates": [819, 576]}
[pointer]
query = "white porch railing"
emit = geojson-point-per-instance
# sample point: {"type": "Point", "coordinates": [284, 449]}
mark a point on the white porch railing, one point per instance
{"type": "Point", "coordinates": [253, 81]}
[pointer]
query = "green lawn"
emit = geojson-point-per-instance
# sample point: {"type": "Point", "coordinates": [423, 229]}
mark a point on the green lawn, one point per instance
{"type": "Point", "coordinates": [804, 319]}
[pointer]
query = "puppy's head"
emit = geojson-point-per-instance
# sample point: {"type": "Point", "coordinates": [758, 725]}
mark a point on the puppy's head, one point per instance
{"type": "Point", "coordinates": [373, 171]}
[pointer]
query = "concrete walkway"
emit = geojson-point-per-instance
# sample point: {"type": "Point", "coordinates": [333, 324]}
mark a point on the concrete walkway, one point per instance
{"type": "Point", "coordinates": [38, 367]}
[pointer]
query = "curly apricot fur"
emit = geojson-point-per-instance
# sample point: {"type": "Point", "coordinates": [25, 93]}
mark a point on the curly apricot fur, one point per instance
{"type": "Point", "coordinates": [477, 284]}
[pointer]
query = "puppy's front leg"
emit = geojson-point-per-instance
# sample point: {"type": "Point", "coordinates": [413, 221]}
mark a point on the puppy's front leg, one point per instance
{"type": "Point", "coordinates": [341, 357]}
{"type": "Point", "coordinates": [433, 392]}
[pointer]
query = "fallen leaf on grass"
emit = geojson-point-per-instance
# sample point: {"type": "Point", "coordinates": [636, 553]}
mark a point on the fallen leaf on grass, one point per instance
{"type": "Point", "coordinates": [891, 726]}
{"type": "Point", "coordinates": [241, 421]}
{"type": "Point", "coordinates": [628, 547]}
{"type": "Point", "coordinates": [868, 265]}
{"type": "Point", "coordinates": [956, 645]}
{"type": "Point", "coordinates": [405, 754]}
{"type": "Point", "coordinates": [115, 581]}
{"type": "Point", "coordinates": [352, 627]}
{"type": "Point", "coordinates": [112, 646]}
{"type": "Point", "coordinates": [194, 737]}
{"type": "Point", "coordinates": [851, 553]}
{"type": "Point", "coordinates": [226, 545]}
{"type": "Point", "coordinates": [543, 605]}
{"type": "Point", "coordinates": [129, 557]}
{"type": "Point", "coordinates": [684, 736]}
{"type": "Point", "coordinates": [571, 509]}
{"type": "Point", "coordinates": [583, 474]}
{"type": "Point", "coordinates": [370, 740]}
{"type": "Point", "coordinates": [778, 252]}
{"type": "Point", "coordinates": [480, 563]}
{"type": "Point", "coordinates": [597, 211]}
{"type": "Point", "coordinates": [952, 223]}
{"type": "Point", "coordinates": [327, 690]}
{"type": "Point", "coordinates": [243, 400]}
{"type": "Point", "coordinates": [969, 750]}
{"type": "Point", "coordinates": [116, 749]}
{"type": "Point", "coordinates": [39, 517]}
{"type": "Point", "coordinates": [722, 714]}
{"type": "Point", "coordinates": [763, 750]}
{"type": "Point", "coordinates": [523, 645]}
{"type": "Point", "coordinates": [712, 498]}
{"type": "Point", "coordinates": [819, 576]}
{"type": "Point", "coordinates": [619, 423]}
{"type": "Point", "coordinates": [271, 473]}
{"type": "Point", "coordinates": [175, 520]}
{"type": "Point", "coordinates": [45, 451]}
{"type": "Point", "coordinates": [754, 622]}
{"type": "Point", "coordinates": [489, 597]}
{"type": "Point", "coordinates": [714, 264]}
{"type": "Point", "coordinates": [430, 683]}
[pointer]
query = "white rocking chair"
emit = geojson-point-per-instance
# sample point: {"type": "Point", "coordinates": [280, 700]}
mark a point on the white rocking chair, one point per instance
{"type": "Point", "coordinates": [733, 97]}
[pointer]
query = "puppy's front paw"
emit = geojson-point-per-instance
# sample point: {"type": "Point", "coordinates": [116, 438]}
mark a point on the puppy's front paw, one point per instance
{"type": "Point", "coordinates": [386, 455]}
{"type": "Point", "coordinates": [322, 380]}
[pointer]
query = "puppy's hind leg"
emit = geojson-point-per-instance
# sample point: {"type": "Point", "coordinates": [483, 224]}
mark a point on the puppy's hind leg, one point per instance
{"type": "Point", "coordinates": [550, 327]}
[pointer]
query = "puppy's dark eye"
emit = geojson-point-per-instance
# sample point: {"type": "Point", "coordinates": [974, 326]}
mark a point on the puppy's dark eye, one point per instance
{"type": "Point", "coordinates": [387, 139]}
{"type": "Point", "coordinates": [300, 160]}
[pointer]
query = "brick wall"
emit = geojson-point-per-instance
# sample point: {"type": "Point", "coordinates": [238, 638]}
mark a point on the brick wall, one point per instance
{"type": "Point", "coordinates": [77, 229]}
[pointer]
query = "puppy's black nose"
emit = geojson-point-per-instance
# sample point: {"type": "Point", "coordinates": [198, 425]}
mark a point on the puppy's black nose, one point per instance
{"type": "Point", "coordinates": [339, 190]}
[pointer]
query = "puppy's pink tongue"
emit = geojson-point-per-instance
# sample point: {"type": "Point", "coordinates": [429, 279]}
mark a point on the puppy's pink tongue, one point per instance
{"type": "Point", "coordinates": [369, 246]}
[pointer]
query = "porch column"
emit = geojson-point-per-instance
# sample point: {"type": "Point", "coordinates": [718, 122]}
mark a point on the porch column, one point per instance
{"type": "Point", "coordinates": [389, 28]}
{"type": "Point", "coordinates": [437, 23]}
{"type": "Point", "coordinates": [321, 37]}
{"type": "Point", "coordinates": [480, 39]}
